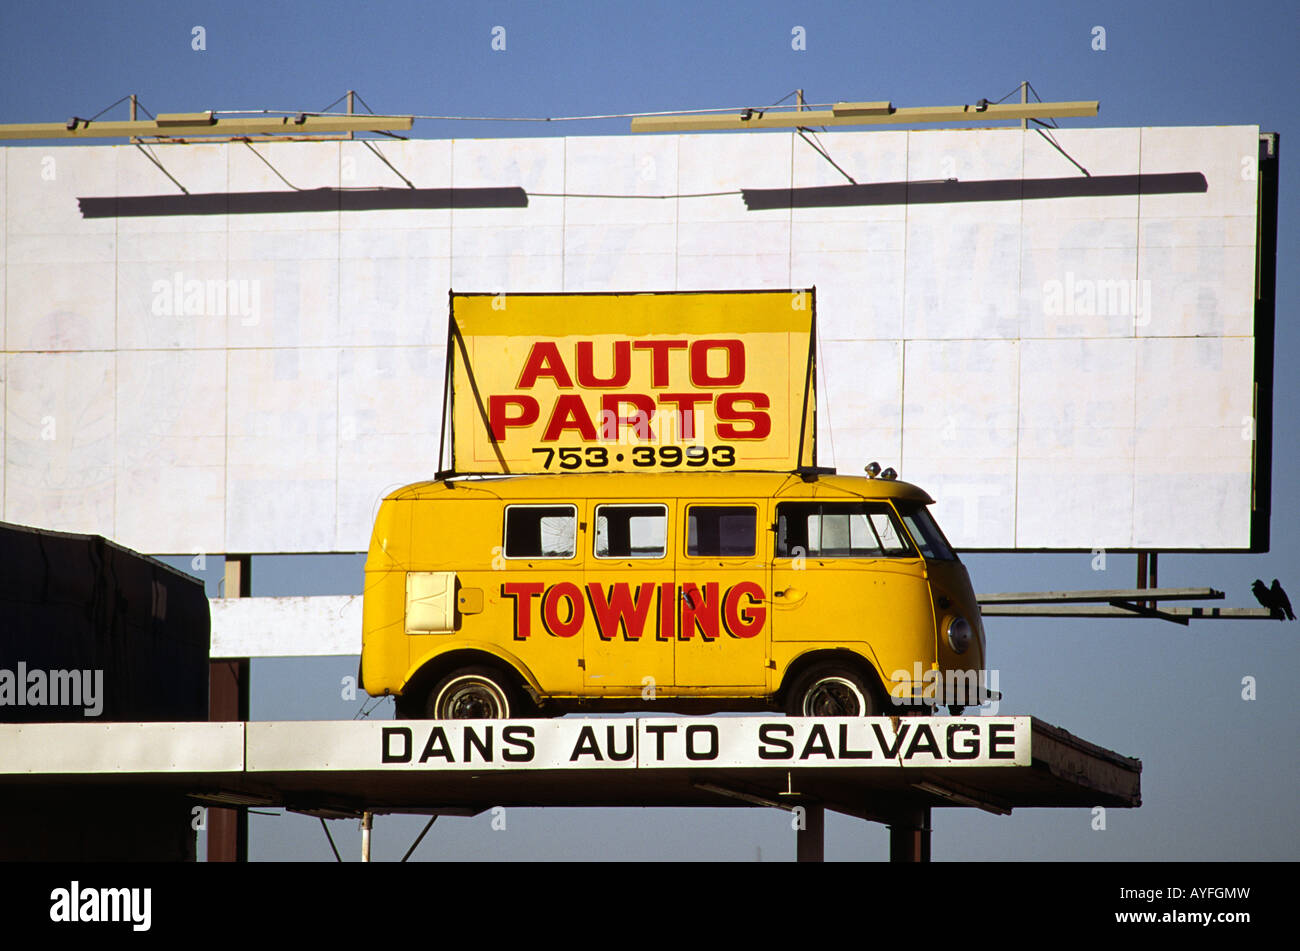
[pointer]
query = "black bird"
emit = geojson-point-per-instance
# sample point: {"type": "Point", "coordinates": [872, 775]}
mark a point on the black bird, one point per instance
{"type": "Point", "coordinates": [1281, 600]}
{"type": "Point", "coordinates": [1274, 599]}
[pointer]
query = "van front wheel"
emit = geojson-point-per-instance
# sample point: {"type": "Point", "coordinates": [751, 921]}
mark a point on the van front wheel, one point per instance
{"type": "Point", "coordinates": [831, 690]}
{"type": "Point", "coordinates": [472, 693]}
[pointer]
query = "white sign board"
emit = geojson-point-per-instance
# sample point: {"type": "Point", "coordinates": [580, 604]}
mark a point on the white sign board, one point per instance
{"type": "Point", "coordinates": [641, 743]}
{"type": "Point", "coordinates": [1061, 360]}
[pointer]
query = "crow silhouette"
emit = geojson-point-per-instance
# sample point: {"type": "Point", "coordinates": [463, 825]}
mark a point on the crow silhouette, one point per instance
{"type": "Point", "coordinates": [1281, 600]}
{"type": "Point", "coordinates": [1274, 599]}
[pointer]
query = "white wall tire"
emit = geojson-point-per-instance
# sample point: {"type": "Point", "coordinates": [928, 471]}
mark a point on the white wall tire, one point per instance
{"type": "Point", "coordinates": [831, 690]}
{"type": "Point", "coordinates": [472, 693]}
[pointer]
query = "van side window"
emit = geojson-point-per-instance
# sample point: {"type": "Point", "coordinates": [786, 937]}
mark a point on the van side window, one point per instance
{"type": "Point", "coordinates": [721, 530]}
{"type": "Point", "coordinates": [631, 531]}
{"type": "Point", "coordinates": [839, 530]}
{"type": "Point", "coordinates": [541, 531]}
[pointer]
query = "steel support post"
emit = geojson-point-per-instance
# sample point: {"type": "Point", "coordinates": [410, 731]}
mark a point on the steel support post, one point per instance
{"type": "Point", "coordinates": [909, 837]}
{"type": "Point", "coordinates": [810, 839]}
{"type": "Point", "coordinates": [228, 700]}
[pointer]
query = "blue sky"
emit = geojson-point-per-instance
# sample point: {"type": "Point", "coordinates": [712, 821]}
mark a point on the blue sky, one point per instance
{"type": "Point", "coordinates": [1220, 772]}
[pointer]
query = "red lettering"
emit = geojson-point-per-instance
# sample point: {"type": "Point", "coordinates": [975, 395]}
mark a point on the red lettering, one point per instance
{"type": "Point", "coordinates": [499, 419]}
{"type": "Point", "coordinates": [746, 621]}
{"type": "Point", "coordinates": [523, 593]}
{"type": "Point", "coordinates": [741, 611]}
{"type": "Point", "coordinates": [569, 413]}
{"type": "Point", "coordinates": [544, 360]}
{"type": "Point", "coordinates": [551, 609]}
{"type": "Point", "coordinates": [620, 610]}
{"type": "Point", "coordinates": [699, 609]}
{"type": "Point", "coordinates": [735, 374]}
{"type": "Point", "coordinates": [667, 611]}
{"type": "Point", "coordinates": [612, 423]}
{"type": "Point", "coordinates": [659, 358]}
{"type": "Point", "coordinates": [622, 365]}
{"type": "Point", "coordinates": [727, 410]}
{"type": "Point", "coordinates": [685, 403]}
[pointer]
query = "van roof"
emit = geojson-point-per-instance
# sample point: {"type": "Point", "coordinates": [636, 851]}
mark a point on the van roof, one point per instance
{"type": "Point", "coordinates": [660, 485]}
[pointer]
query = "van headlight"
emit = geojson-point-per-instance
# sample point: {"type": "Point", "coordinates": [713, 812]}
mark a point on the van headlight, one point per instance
{"type": "Point", "coordinates": [959, 634]}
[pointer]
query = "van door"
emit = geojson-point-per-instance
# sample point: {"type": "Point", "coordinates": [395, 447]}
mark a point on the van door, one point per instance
{"type": "Point", "coordinates": [539, 577]}
{"type": "Point", "coordinates": [628, 634]}
{"type": "Point", "coordinates": [722, 582]}
{"type": "Point", "coordinates": [845, 574]}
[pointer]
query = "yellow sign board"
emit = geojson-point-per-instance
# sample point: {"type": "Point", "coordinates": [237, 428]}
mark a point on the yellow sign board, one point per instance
{"type": "Point", "coordinates": [716, 380]}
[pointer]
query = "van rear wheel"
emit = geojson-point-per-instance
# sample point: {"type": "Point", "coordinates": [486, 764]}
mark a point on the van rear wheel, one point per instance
{"type": "Point", "coordinates": [471, 693]}
{"type": "Point", "coordinates": [831, 690]}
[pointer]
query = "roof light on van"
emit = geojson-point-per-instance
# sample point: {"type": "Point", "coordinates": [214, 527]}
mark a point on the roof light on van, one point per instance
{"type": "Point", "coordinates": [889, 474]}
{"type": "Point", "coordinates": [873, 469]}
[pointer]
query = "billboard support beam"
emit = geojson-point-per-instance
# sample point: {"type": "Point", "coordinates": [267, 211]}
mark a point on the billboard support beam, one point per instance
{"type": "Point", "coordinates": [810, 838]}
{"type": "Point", "coordinates": [228, 692]}
{"type": "Point", "coordinates": [1103, 596]}
{"type": "Point", "coordinates": [863, 113]}
{"type": "Point", "coordinates": [1138, 602]}
{"type": "Point", "coordinates": [909, 836]}
{"type": "Point", "coordinates": [1261, 495]}
{"type": "Point", "coordinates": [187, 125]}
{"type": "Point", "coordinates": [1128, 610]}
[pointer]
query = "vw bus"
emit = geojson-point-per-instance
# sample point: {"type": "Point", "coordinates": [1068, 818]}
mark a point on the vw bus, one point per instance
{"type": "Point", "coordinates": [535, 595]}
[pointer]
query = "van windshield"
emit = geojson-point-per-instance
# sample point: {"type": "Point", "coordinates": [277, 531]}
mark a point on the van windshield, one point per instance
{"type": "Point", "coordinates": [925, 531]}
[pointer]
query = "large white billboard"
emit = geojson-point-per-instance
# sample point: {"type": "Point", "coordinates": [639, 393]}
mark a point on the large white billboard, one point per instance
{"type": "Point", "coordinates": [240, 347]}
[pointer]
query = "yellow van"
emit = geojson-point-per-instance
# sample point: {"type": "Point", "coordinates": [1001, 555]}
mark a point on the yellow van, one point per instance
{"type": "Point", "coordinates": [821, 594]}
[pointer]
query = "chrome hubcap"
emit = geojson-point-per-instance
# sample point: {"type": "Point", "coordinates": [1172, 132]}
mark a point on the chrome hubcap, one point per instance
{"type": "Point", "coordinates": [834, 697]}
{"type": "Point", "coordinates": [472, 700]}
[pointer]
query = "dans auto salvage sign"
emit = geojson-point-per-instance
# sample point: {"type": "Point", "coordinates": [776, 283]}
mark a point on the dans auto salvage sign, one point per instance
{"type": "Point", "coordinates": [642, 743]}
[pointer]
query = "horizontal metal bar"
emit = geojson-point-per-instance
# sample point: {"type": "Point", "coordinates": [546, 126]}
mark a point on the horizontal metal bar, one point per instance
{"type": "Point", "coordinates": [792, 118]}
{"type": "Point", "coordinates": [745, 797]}
{"type": "Point", "coordinates": [1107, 611]}
{"type": "Point", "coordinates": [1104, 596]}
{"type": "Point", "coordinates": [1147, 610]}
{"type": "Point", "coordinates": [185, 118]}
{"type": "Point", "coordinates": [964, 798]}
{"type": "Point", "coordinates": [261, 125]}
{"type": "Point", "coordinates": [882, 108]}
